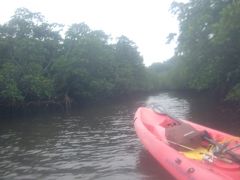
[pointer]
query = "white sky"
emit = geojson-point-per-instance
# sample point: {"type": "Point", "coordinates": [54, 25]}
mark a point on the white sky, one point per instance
{"type": "Point", "coordinates": [146, 22]}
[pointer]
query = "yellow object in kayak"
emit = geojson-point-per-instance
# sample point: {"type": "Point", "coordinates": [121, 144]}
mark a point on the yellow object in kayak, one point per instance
{"type": "Point", "coordinates": [197, 154]}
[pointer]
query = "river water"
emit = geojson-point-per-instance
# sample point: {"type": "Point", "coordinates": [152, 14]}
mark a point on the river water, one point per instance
{"type": "Point", "coordinates": [97, 142]}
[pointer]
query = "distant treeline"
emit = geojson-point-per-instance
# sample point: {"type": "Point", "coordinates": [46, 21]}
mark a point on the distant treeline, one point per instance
{"type": "Point", "coordinates": [207, 56]}
{"type": "Point", "coordinates": [39, 66]}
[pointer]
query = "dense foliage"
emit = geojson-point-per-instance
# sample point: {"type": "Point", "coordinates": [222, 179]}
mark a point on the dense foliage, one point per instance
{"type": "Point", "coordinates": [207, 57]}
{"type": "Point", "coordinates": [38, 65]}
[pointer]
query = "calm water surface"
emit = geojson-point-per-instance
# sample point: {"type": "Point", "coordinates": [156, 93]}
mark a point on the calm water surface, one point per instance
{"type": "Point", "coordinates": [97, 142]}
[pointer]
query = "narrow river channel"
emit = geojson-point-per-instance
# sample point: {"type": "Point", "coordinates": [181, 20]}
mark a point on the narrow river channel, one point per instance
{"type": "Point", "coordinates": [97, 142]}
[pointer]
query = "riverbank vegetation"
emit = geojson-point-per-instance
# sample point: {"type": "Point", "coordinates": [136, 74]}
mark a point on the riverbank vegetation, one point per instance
{"type": "Point", "coordinates": [40, 66]}
{"type": "Point", "coordinates": [207, 56]}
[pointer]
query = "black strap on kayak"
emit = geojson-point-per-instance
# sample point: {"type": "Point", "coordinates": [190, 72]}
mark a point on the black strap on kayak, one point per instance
{"type": "Point", "coordinates": [234, 147]}
{"type": "Point", "coordinates": [221, 149]}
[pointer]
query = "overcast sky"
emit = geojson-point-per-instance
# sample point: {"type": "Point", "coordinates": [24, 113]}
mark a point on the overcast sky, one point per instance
{"type": "Point", "coordinates": [146, 22]}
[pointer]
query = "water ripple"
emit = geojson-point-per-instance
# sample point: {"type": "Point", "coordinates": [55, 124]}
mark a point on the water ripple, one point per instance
{"type": "Point", "coordinates": [95, 143]}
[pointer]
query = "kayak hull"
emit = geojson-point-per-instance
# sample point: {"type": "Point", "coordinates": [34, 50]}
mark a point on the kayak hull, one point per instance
{"type": "Point", "coordinates": [150, 128]}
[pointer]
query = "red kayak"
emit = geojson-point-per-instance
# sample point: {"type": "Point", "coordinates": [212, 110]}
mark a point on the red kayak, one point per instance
{"type": "Point", "coordinates": [217, 159]}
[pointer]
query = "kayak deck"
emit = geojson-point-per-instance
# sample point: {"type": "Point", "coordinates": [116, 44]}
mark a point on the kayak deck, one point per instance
{"type": "Point", "coordinates": [150, 128]}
